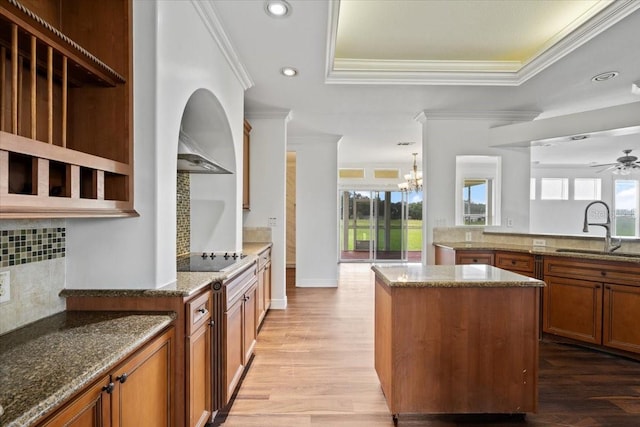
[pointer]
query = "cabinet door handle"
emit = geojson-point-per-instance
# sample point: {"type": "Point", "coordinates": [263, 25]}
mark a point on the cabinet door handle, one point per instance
{"type": "Point", "coordinates": [475, 260]}
{"type": "Point", "coordinates": [212, 322]}
{"type": "Point", "coordinates": [597, 286]}
{"type": "Point", "coordinates": [108, 388]}
{"type": "Point", "coordinates": [513, 262]}
{"type": "Point", "coordinates": [122, 378]}
{"type": "Point", "coordinates": [603, 273]}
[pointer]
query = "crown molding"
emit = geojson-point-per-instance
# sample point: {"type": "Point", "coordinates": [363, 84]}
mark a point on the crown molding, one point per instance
{"type": "Point", "coordinates": [285, 115]}
{"type": "Point", "coordinates": [506, 115]}
{"type": "Point", "coordinates": [476, 73]}
{"type": "Point", "coordinates": [211, 21]}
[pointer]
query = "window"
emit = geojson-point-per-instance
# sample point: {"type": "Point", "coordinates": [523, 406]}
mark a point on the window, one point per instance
{"type": "Point", "coordinates": [554, 189]}
{"type": "Point", "coordinates": [475, 194]}
{"type": "Point", "coordinates": [586, 188]}
{"type": "Point", "coordinates": [478, 182]}
{"type": "Point", "coordinates": [626, 207]}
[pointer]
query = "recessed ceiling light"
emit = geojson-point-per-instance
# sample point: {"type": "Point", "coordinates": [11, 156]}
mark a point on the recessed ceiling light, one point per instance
{"type": "Point", "coordinates": [579, 137]}
{"type": "Point", "coordinates": [404, 143]}
{"type": "Point", "coordinates": [289, 71]}
{"type": "Point", "coordinates": [277, 8]}
{"type": "Point", "coordinates": [603, 77]}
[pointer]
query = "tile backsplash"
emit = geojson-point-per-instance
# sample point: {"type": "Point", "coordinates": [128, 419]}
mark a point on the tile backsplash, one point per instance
{"type": "Point", "coordinates": [24, 246]}
{"type": "Point", "coordinates": [34, 254]}
{"type": "Point", "coordinates": [183, 214]}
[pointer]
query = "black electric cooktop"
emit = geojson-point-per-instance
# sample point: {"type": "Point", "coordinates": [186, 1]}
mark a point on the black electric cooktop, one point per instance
{"type": "Point", "coordinates": [207, 261]}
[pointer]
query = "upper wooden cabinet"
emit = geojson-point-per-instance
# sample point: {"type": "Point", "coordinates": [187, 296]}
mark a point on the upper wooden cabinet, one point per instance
{"type": "Point", "coordinates": [66, 108]}
{"type": "Point", "coordinates": [246, 172]}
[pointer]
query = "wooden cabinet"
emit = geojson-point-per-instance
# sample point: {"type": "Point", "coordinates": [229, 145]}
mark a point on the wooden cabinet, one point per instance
{"type": "Point", "coordinates": [596, 302]}
{"type": "Point", "coordinates": [192, 376]}
{"type": "Point", "coordinates": [199, 360]}
{"type": "Point", "coordinates": [246, 167]}
{"type": "Point", "coordinates": [621, 313]}
{"type": "Point", "coordinates": [441, 350]}
{"type": "Point", "coordinates": [573, 309]}
{"type": "Point", "coordinates": [90, 409]}
{"type": "Point", "coordinates": [240, 328]}
{"type": "Point", "coordinates": [264, 284]}
{"type": "Point", "coordinates": [449, 256]}
{"type": "Point", "coordinates": [136, 392]}
{"type": "Point", "coordinates": [521, 263]}
{"type": "Point", "coordinates": [66, 112]}
{"type": "Point", "coordinates": [474, 257]}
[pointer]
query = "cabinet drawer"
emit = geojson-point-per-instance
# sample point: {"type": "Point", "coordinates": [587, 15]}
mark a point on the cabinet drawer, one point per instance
{"type": "Point", "coordinates": [237, 286]}
{"type": "Point", "coordinates": [522, 263]}
{"type": "Point", "coordinates": [474, 257]}
{"type": "Point", "coordinates": [199, 312]}
{"type": "Point", "coordinates": [615, 272]}
{"type": "Point", "coordinates": [264, 258]}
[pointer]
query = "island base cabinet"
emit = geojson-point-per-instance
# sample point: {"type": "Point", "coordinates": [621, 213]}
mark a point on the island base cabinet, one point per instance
{"type": "Point", "coordinates": [457, 350]}
{"type": "Point", "coordinates": [621, 317]}
{"type": "Point", "coordinates": [573, 309]}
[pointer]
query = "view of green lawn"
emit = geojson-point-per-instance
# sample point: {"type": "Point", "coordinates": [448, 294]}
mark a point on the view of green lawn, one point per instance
{"type": "Point", "coordinates": [362, 231]}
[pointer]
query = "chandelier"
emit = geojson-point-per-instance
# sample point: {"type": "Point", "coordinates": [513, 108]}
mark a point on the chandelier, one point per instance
{"type": "Point", "coordinates": [413, 179]}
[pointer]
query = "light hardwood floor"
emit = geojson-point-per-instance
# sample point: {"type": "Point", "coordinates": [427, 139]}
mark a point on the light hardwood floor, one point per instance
{"type": "Point", "coordinates": [313, 366]}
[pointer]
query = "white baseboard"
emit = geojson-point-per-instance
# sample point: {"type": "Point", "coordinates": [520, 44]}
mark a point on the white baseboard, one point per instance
{"type": "Point", "coordinates": [316, 283]}
{"type": "Point", "coordinates": [279, 304]}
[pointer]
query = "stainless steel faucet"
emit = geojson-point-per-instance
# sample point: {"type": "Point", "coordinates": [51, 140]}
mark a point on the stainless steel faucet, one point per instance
{"type": "Point", "coordinates": [608, 247]}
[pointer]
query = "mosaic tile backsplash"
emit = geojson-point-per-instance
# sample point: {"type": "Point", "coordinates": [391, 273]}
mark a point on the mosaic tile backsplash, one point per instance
{"type": "Point", "coordinates": [31, 245]}
{"type": "Point", "coordinates": [183, 214]}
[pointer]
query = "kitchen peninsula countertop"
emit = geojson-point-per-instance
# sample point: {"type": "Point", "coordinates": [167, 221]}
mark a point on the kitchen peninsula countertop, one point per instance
{"type": "Point", "coordinates": [451, 276]}
{"type": "Point", "coordinates": [187, 282]}
{"type": "Point", "coordinates": [46, 362]}
{"type": "Point", "coordinates": [619, 255]}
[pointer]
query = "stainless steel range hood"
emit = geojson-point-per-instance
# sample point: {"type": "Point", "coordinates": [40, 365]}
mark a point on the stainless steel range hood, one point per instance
{"type": "Point", "coordinates": [192, 159]}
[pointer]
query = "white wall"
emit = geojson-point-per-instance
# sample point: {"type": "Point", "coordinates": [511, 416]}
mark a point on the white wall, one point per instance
{"type": "Point", "coordinates": [566, 216]}
{"type": "Point", "coordinates": [268, 154]}
{"type": "Point", "coordinates": [174, 54]}
{"type": "Point", "coordinates": [369, 182]}
{"type": "Point", "coordinates": [316, 210]}
{"type": "Point", "coordinates": [443, 139]}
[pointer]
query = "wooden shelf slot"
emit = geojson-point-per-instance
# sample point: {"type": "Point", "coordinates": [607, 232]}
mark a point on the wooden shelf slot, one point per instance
{"type": "Point", "coordinates": [116, 186]}
{"type": "Point", "coordinates": [59, 179]}
{"type": "Point", "coordinates": [22, 174]}
{"type": "Point", "coordinates": [88, 183]}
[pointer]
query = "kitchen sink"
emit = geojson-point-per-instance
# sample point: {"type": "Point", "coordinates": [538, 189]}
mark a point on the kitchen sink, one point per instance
{"type": "Point", "coordinates": [598, 252]}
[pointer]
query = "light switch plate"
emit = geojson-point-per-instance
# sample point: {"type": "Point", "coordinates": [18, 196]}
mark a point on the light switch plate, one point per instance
{"type": "Point", "coordinates": [5, 286]}
{"type": "Point", "coordinates": [539, 242]}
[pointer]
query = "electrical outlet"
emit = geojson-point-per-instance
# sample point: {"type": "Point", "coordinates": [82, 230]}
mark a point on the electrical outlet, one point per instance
{"type": "Point", "coordinates": [467, 236]}
{"type": "Point", "coordinates": [271, 222]}
{"type": "Point", "coordinates": [539, 242]}
{"type": "Point", "coordinates": [509, 222]}
{"type": "Point", "coordinates": [5, 286]}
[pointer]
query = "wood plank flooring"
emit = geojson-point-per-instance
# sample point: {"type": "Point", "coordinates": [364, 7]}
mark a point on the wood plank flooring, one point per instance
{"type": "Point", "coordinates": [313, 366]}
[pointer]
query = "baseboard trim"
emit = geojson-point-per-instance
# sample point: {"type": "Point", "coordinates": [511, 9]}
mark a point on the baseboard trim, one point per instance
{"type": "Point", "coordinates": [316, 283]}
{"type": "Point", "coordinates": [279, 304]}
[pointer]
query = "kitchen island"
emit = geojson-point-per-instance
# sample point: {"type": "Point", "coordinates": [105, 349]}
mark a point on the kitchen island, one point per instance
{"type": "Point", "coordinates": [456, 339]}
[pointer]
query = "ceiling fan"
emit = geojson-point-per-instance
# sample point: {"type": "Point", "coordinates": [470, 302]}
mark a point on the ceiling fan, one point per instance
{"type": "Point", "coordinates": [624, 165]}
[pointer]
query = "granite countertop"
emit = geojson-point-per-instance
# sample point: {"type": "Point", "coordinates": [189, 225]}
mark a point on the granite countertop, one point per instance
{"type": "Point", "coordinates": [451, 276]}
{"type": "Point", "coordinates": [46, 362]}
{"type": "Point", "coordinates": [187, 282]}
{"type": "Point", "coordinates": [545, 250]}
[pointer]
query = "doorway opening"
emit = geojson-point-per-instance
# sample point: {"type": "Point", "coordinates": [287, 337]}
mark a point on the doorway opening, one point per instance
{"type": "Point", "coordinates": [380, 226]}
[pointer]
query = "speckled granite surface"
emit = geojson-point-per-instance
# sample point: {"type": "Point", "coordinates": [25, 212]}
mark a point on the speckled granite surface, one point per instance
{"type": "Point", "coordinates": [451, 276]}
{"type": "Point", "coordinates": [46, 362]}
{"type": "Point", "coordinates": [543, 250]}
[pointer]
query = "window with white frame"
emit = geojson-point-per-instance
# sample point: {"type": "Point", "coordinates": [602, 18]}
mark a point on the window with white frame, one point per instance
{"type": "Point", "coordinates": [587, 189]}
{"type": "Point", "coordinates": [625, 207]}
{"type": "Point", "coordinates": [554, 189]}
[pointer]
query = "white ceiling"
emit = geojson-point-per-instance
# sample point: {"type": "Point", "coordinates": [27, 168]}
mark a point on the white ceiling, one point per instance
{"type": "Point", "coordinates": [372, 118]}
